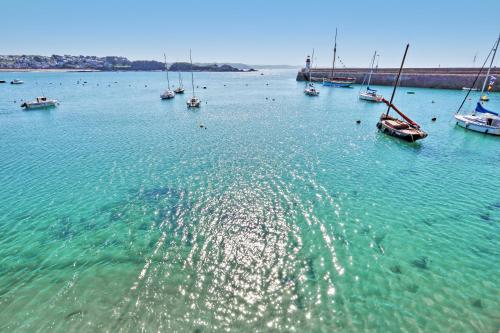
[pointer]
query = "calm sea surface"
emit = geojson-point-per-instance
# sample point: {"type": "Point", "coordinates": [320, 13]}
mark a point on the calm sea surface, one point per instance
{"type": "Point", "coordinates": [118, 212]}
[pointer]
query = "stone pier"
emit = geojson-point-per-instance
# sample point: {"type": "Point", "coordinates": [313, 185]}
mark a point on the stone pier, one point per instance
{"type": "Point", "coordinates": [439, 78]}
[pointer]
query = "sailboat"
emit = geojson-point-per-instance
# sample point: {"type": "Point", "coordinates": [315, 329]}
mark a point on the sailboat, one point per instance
{"type": "Point", "coordinates": [332, 81]}
{"type": "Point", "coordinates": [370, 94]}
{"type": "Point", "coordinates": [405, 129]}
{"type": "Point", "coordinates": [168, 94]}
{"type": "Point", "coordinates": [486, 121]}
{"type": "Point", "coordinates": [310, 90]}
{"type": "Point", "coordinates": [180, 89]}
{"type": "Point", "coordinates": [193, 102]}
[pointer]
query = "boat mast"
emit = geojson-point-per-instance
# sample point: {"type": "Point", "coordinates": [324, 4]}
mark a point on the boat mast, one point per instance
{"type": "Point", "coordinates": [495, 47]}
{"type": "Point", "coordinates": [334, 52]}
{"type": "Point", "coordinates": [192, 75]}
{"type": "Point", "coordinates": [310, 73]}
{"type": "Point", "coordinates": [166, 68]}
{"type": "Point", "coordinates": [371, 70]}
{"type": "Point", "coordinates": [397, 79]}
{"type": "Point", "coordinates": [180, 79]}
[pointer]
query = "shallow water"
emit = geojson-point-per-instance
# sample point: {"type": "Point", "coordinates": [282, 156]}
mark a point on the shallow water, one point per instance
{"type": "Point", "coordinates": [120, 213]}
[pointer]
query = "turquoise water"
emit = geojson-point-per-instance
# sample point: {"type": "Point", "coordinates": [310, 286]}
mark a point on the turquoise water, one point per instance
{"type": "Point", "coordinates": [120, 213]}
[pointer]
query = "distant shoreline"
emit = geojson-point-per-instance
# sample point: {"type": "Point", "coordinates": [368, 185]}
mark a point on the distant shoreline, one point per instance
{"type": "Point", "coordinates": [54, 70]}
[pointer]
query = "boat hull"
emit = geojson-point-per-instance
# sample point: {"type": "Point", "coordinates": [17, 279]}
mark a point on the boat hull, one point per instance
{"type": "Point", "coordinates": [167, 95]}
{"type": "Point", "coordinates": [476, 124]}
{"type": "Point", "coordinates": [338, 84]}
{"type": "Point", "coordinates": [309, 92]}
{"type": "Point", "coordinates": [193, 103]}
{"type": "Point", "coordinates": [370, 97]}
{"type": "Point", "coordinates": [34, 106]}
{"type": "Point", "coordinates": [399, 129]}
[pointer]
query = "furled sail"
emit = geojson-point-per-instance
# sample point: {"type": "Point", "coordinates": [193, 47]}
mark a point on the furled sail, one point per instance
{"type": "Point", "coordinates": [480, 108]}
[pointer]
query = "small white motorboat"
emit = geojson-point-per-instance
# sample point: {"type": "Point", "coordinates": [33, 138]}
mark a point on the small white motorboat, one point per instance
{"type": "Point", "coordinates": [16, 82]}
{"type": "Point", "coordinates": [40, 103]}
{"type": "Point", "coordinates": [193, 102]}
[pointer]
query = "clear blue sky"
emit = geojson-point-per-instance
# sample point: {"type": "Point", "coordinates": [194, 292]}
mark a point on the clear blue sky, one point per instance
{"type": "Point", "coordinates": [445, 32]}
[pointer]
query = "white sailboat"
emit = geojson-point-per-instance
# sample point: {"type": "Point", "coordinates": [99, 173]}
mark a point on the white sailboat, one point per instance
{"type": "Point", "coordinates": [310, 90]}
{"type": "Point", "coordinates": [481, 119]}
{"type": "Point", "coordinates": [167, 94]}
{"type": "Point", "coordinates": [180, 88]}
{"type": "Point", "coordinates": [370, 94]}
{"type": "Point", "coordinates": [193, 102]}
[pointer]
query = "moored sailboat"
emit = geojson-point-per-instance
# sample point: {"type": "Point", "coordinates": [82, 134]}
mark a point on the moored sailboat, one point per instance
{"type": "Point", "coordinates": [310, 90]}
{"type": "Point", "coordinates": [167, 94]}
{"type": "Point", "coordinates": [193, 102]}
{"type": "Point", "coordinates": [180, 88]}
{"type": "Point", "coordinates": [405, 129]}
{"type": "Point", "coordinates": [333, 81]}
{"type": "Point", "coordinates": [481, 119]}
{"type": "Point", "coordinates": [370, 94]}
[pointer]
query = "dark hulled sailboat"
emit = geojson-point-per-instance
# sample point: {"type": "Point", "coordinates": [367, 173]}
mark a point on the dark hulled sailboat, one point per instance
{"type": "Point", "coordinates": [405, 129]}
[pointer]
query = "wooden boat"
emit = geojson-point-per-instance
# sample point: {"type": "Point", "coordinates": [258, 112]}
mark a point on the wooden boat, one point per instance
{"type": "Point", "coordinates": [405, 129]}
{"type": "Point", "coordinates": [193, 102]}
{"type": "Point", "coordinates": [40, 103]}
{"type": "Point", "coordinates": [370, 95]}
{"type": "Point", "coordinates": [481, 119]}
{"type": "Point", "coordinates": [334, 81]}
{"type": "Point", "coordinates": [167, 94]}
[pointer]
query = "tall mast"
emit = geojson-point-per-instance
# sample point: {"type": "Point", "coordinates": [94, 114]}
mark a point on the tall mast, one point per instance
{"type": "Point", "coordinates": [310, 73]}
{"type": "Point", "coordinates": [371, 69]}
{"type": "Point", "coordinates": [334, 52]}
{"type": "Point", "coordinates": [192, 75]}
{"type": "Point", "coordinates": [180, 79]}
{"type": "Point", "coordinates": [495, 47]}
{"type": "Point", "coordinates": [166, 68]}
{"type": "Point", "coordinates": [397, 79]}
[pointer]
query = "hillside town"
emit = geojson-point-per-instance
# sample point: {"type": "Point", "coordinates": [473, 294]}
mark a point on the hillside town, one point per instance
{"type": "Point", "coordinates": [109, 63]}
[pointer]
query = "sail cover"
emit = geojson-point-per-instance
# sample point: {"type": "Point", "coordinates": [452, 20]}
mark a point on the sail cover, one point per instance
{"type": "Point", "coordinates": [480, 108]}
